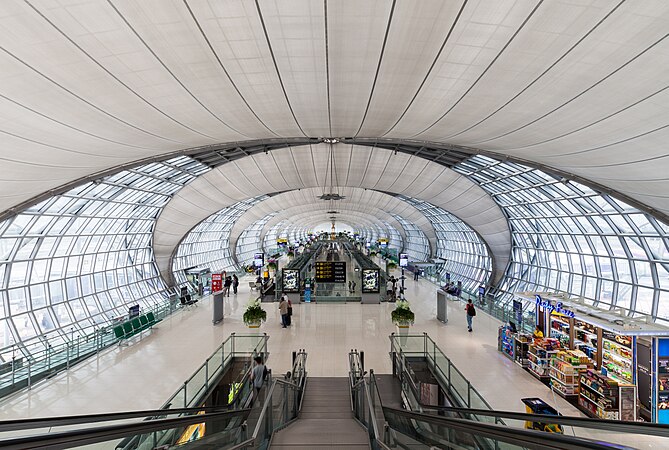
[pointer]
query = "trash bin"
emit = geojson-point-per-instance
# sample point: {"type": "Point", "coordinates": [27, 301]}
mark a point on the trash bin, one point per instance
{"type": "Point", "coordinates": [538, 406]}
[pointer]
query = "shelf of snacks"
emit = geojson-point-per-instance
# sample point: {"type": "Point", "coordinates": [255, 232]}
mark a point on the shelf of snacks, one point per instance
{"type": "Point", "coordinates": [617, 357]}
{"type": "Point", "coordinates": [539, 355]}
{"type": "Point", "coordinates": [604, 398]}
{"type": "Point", "coordinates": [560, 329]}
{"type": "Point", "coordinates": [586, 339]}
{"type": "Point", "coordinates": [565, 369]}
{"type": "Point", "coordinates": [521, 343]}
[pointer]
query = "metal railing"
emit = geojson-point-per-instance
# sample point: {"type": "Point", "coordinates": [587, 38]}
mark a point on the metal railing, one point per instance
{"type": "Point", "coordinates": [365, 410]}
{"type": "Point", "coordinates": [202, 380]}
{"type": "Point", "coordinates": [459, 388]}
{"type": "Point", "coordinates": [40, 360]}
{"type": "Point", "coordinates": [133, 430]}
{"type": "Point", "coordinates": [281, 406]}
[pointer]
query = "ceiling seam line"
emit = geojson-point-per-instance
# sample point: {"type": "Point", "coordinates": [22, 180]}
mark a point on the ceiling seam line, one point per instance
{"type": "Point", "coordinates": [96, 62]}
{"type": "Point", "coordinates": [220, 63]}
{"type": "Point", "coordinates": [378, 68]}
{"type": "Point", "coordinates": [92, 105]}
{"type": "Point", "coordinates": [577, 95]}
{"type": "Point", "coordinates": [179, 82]}
{"type": "Point", "coordinates": [592, 124]}
{"type": "Point", "coordinates": [485, 71]}
{"type": "Point", "coordinates": [548, 69]}
{"type": "Point", "coordinates": [58, 147]}
{"type": "Point", "coordinates": [327, 64]}
{"type": "Point", "coordinates": [71, 127]}
{"type": "Point", "coordinates": [276, 67]}
{"type": "Point", "coordinates": [429, 70]}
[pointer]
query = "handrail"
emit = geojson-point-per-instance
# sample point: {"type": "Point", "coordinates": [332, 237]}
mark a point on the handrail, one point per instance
{"type": "Point", "coordinates": [298, 383]}
{"type": "Point", "coordinates": [618, 426]}
{"type": "Point", "coordinates": [212, 372]}
{"type": "Point", "coordinates": [429, 351]}
{"type": "Point", "coordinates": [43, 422]}
{"type": "Point", "coordinates": [87, 436]}
{"type": "Point", "coordinates": [29, 366]}
{"type": "Point", "coordinates": [530, 438]}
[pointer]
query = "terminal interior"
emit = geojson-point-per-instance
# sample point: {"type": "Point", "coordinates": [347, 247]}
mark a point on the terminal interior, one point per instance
{"type": "Point", "coordinates": [382, 165]}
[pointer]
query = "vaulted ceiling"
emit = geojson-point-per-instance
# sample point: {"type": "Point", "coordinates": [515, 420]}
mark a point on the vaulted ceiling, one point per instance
{"type": "Point", "coordinates": [90, 86]}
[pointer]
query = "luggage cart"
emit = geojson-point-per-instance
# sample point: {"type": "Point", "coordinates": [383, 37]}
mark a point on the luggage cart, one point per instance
{"type": "Point", "coordinates": [538, 406]}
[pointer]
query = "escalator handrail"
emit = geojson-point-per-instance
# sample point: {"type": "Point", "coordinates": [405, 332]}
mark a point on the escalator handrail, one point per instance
{"type": "Point", "coordinates": [263, 413]}
{"type": "Point", "coordinates": [619, 426]}
{"type": "Point", "coordinates": [44, 422]}
{"type": "Point", "coordinates": [84, 436]}
{"type": "Point", "coordinates": [506, 434]}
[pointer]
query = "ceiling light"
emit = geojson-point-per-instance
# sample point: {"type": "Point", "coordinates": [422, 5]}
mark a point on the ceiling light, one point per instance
{"type": "Point", "coordinates": [330, 140]}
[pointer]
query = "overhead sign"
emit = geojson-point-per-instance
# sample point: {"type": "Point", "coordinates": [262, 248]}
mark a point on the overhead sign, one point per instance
{"type": "Point", "coordinates": [331, 271]}
{"type": "Point", "coordinates": [557, 308]}
{"type": "Point", "coordinates": [259, 259]}
{"type": "Point", "coordinates": [404, 260]}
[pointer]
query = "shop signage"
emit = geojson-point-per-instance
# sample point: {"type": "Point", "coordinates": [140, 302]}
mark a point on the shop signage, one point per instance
{"type": "Point", "coordinates": [557, 308]}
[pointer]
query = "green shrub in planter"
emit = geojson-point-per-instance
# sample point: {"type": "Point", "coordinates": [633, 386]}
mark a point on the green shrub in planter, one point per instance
{"type": "Point", "coordinates": [402, 314]}
{"type": "Point", "coordinates": [254, 313]}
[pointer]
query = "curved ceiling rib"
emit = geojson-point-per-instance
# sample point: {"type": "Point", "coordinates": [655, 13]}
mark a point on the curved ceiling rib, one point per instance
{"type": "Point", "coordinates": [304, 167]}
{"type": "Point", "coordinates": [363, 200]}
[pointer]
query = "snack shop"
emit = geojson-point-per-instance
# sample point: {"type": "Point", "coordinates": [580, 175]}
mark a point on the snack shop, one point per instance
{"type": "Point", "coordinates": [609, 365]}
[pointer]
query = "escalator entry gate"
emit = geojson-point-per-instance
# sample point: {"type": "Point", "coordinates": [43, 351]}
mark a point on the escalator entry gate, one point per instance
{"type": "Point", "coordinates": [538, 406]}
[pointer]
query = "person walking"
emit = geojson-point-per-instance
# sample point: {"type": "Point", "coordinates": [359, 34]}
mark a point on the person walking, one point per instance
{"type": "Point", "coordinates": [283, 309]}
{"type": "Point", "coordinates": [471, 312]}
{"type": "Point", "coordinates": [226, 286]}
{"type": "Point", "coordinates": [289, 314]}
{"type": "Point", "coordinates": [235, 283]}
{"type": "Point", "coordinates": [258, 374]}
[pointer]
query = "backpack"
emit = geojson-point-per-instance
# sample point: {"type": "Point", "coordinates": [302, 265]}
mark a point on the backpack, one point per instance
{"type": "Point", "coordinates": [471, 310]}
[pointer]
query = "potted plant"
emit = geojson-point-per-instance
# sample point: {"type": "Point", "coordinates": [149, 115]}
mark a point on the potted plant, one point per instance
{"type": "Point", "coordinates": [290, 253]}
{"type": "Point", "coordinates": [402, 316]}
{"type": "Point", "coordinates": [391, 265]}
{"type": "Point", "coordinates": [254, 314]}
{"type": "Point", "coordinates": [271, 264]}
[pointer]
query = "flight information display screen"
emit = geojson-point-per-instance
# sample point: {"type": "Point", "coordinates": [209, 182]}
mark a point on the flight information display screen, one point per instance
{"type": "Point", "coordinates": [331, 271]}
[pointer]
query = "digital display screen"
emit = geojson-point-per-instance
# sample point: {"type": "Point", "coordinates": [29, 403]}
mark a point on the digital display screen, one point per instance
{"type": "Point", "coordinates": [259, 259]}
{"type": "Point", "coordinates": [331, 271]}
{"type": "Point", "coordinates": [291, 280]}
{"type": "Point", "coordinates": [404, 260]}
{"type": "Point", "coordinates": [370, 280]}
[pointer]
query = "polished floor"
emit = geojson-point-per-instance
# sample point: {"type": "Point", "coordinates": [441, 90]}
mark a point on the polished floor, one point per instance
{"type": "Point", "coordinates": [145, 373]}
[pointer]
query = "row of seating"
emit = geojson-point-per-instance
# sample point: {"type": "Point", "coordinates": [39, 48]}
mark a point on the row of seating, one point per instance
{"type": "Point", "coordinates": [134, 326]}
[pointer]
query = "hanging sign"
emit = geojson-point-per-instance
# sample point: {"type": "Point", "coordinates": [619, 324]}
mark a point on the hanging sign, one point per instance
{"type": "Point", "coordinates": [557, 308]}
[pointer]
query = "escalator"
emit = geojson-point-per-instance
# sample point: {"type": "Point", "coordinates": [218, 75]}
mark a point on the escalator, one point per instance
{"type": "Point", "coordinates": [244, 420]}
{"type": "Point", "coordinates": [391, 408]}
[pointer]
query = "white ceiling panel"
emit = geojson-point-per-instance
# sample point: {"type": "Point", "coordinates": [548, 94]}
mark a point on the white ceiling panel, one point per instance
{"type": "Point", "coordinates": [89, 86]}
{"type": "Point", "coordinates": [243, 179]}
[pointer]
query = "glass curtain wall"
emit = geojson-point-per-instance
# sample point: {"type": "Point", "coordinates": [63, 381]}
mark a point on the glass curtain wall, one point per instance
{"type": "Point", "coordinates": [249, 241]}
{"type": "Point", "coordinates": [208, 244]}
{"type": "Point", "coordinates": [466, 256]}
{"type": "Point", "coordinates": [416, 246]}
{"type": "Point", "coordinates": [570, 238]}
{"type": "Point", "coordinates": [77, 260]}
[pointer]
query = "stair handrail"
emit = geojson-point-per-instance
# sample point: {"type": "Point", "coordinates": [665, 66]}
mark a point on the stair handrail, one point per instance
{"type": "Point", "coordinates": [516, 436]}
{"type": "Point", "coordinates": [51, 422]}
{"type": "Point", "coordinates": [618, 426]}
{"type": "Point", "coordinates": [84, 436]}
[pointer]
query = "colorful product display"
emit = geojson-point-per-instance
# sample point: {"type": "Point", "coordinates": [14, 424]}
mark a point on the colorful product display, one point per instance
{"type": "Point", "coordinates": [560, 329]}
{"type": "Point", "coordinates": [540, 353]}
{"type": "Point", "coordinates": [604, 398]}
{"type": "Point", "coordinates": [617, 357]}
{"type": "Point", "coordinates": [565, 368]}
{"type": "Point", "coordinates": [586, 339]}
{"type": "Point", "coordinates": [515, 346]}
